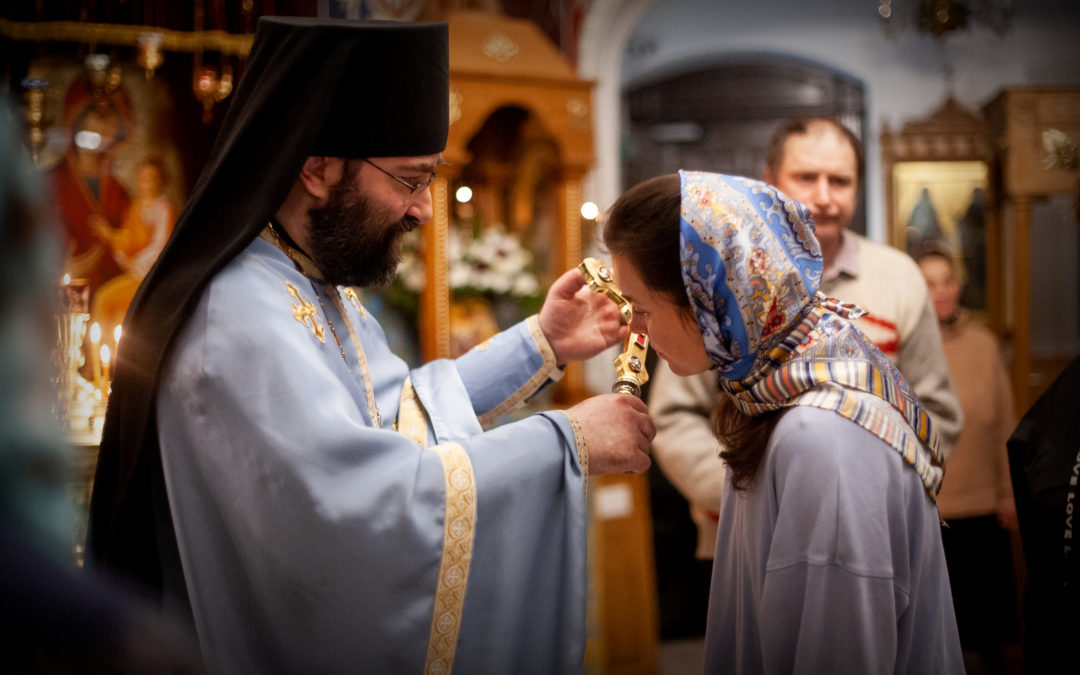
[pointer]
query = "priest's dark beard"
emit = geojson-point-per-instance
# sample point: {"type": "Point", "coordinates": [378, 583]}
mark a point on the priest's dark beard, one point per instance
{"type": "Point", "coordinates": [351, 243]}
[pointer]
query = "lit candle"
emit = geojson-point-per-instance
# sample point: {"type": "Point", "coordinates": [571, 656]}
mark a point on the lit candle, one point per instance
{"type": "Point", "coordinates": [116, 336]}
{"type": "Point", "coordinates": [105, 356]}
{"type": "Point", "coordinates": [95, 363]}
{"type": "Point", "coordinates": [67, 279]}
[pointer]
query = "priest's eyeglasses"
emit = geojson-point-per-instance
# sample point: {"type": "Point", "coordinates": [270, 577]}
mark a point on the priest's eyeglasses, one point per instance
{"type": "Point", "coordinates": [414, 188]}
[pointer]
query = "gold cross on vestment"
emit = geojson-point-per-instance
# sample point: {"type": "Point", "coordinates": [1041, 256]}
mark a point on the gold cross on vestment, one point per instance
{"type": "Point", "coordinates": [306, 313]}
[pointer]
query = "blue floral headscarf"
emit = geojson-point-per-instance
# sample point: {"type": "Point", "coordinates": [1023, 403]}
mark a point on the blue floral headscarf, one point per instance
{"type": "Point", "coordinates": [752, 268]}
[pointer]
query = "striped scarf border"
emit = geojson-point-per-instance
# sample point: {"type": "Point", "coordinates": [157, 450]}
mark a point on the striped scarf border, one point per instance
{"type": "Point", "coordinates": [854, 388]}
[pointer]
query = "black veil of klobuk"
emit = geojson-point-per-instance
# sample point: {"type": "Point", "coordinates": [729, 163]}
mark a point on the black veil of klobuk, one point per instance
{"type": "Point", "coordinates": [312, 87]}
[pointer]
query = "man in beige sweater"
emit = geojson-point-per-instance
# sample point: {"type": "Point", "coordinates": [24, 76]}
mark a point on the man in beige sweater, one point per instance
{"type": "Point", "coordinates": [818, 162]}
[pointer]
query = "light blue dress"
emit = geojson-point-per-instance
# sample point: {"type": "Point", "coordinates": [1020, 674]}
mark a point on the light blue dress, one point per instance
{"type": "Point", "coordinates": [832, 562]}
{"type": "Point", "coordinates": [313, 539]}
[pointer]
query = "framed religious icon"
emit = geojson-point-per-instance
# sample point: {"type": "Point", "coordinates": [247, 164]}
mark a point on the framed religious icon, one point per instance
{"type": "Point", "coordinates": [939, 193]}
{"type": "Point", "coordinates": [115, 176]}
{"type": "Point", "coordinates": [945, 204]}
{"type": "Point", "coordinates": [115, 183]}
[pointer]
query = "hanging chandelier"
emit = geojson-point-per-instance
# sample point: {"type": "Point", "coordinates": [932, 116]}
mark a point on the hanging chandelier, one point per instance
{"type": "Point", "coordinates": [941, 18]}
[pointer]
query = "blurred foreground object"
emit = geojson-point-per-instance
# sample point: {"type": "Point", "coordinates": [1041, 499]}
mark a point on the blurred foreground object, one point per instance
{"type": "Point", "coordinates": [55, 617]}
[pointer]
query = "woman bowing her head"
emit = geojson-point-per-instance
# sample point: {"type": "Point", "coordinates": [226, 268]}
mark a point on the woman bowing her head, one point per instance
{"type": "Point", "coordinates": [829, 553]}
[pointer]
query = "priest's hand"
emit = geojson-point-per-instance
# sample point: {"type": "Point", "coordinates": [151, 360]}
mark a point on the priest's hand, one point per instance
{"type": "Point", "coordinates": [577, 322]}
{"type": "Point", "coordinates": [616, 431]}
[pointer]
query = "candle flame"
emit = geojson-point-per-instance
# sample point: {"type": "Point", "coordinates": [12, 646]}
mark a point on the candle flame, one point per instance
{"type": "Point", "coordinates": [116, 333]}
{"type": "Point", "coordinates": [105, 354]}
{"type": "Point", "coordinates": [67, 279]}
{"type": "Point", "coordinates": [95, 333]}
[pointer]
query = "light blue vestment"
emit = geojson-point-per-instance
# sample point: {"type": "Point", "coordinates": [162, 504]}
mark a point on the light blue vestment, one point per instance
{"type": "Point", "coordinates": [312, 540]}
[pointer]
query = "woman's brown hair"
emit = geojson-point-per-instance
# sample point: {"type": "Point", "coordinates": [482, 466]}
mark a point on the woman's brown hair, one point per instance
{"type": "Point", "coordinates": [744, 438]}
{"type": "Point", "coordinates": [643, 227]}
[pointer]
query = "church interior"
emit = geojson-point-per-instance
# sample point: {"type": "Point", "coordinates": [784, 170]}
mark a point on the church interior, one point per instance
{"type": "Point", "coordinates": [968, 112]}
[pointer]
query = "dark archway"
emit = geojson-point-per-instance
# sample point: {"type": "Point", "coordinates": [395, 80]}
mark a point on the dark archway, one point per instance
{"type": "Point", "coordinates": [720, 116]}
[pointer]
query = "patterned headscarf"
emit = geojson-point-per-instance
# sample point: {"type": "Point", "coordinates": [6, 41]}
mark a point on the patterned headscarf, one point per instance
{"type": "Point", "coordinates": [752, 267]}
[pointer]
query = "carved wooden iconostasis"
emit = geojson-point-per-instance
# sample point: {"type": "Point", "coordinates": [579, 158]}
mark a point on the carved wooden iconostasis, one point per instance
{"type": "Point", "coordinates": [520, 141]}
{"type": "Point", "coordinates": [997, 189]}
{"type": "Point", "coordinates": [1036, 134]}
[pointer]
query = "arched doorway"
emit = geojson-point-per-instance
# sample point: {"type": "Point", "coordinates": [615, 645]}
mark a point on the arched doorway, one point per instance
{"type": "Point", "coordinates": [720, 116]}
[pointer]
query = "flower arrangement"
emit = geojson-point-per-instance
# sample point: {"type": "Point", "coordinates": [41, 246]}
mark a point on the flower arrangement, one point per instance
{"type": "Point", "coordinates": [488, 262]}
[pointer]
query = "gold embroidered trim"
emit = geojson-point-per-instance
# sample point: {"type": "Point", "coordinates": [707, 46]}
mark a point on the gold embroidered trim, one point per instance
{"type": "Point", "coordinates": [582, 449]}
{"type": "Point", "coordinates": [114, 34]}
{"type": "Point", "coordinates": [458, 533]}
{"type": "Point", "coordinates": [529, 388]}
{"type": "Point", "coordinates": [361, 357]}
{"type": "Point", "coordinates": [303, 264]}
{"type": "Point", "coordinates": [305, 312]}
{"type": "Point", "coordinates": [411, 420]}
{"type": "Point", "coordinates": [352, 296]}
{"type": "Point", "coordinates": [542, 344]}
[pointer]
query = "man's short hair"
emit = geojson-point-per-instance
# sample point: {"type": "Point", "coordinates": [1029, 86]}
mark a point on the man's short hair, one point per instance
{"type": "Point", "coordinates": [802, 125]}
